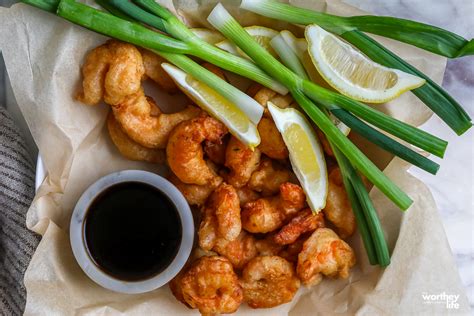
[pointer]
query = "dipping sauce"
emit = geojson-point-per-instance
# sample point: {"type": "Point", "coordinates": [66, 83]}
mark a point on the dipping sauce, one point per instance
{"type": "Point", "coordinates": [132, 231]}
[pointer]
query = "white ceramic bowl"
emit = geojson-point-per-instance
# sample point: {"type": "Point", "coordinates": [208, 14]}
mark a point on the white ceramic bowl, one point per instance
{"type": "Point", "coordinates": [78, 242]}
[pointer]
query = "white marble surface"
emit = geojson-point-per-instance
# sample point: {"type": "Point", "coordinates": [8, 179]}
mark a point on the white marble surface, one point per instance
{"type": "Point", "coordinates": [453, 187]}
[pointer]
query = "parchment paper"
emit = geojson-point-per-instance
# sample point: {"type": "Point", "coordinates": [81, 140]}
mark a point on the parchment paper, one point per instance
{"type": "Point", "coordinates": [43, 55]}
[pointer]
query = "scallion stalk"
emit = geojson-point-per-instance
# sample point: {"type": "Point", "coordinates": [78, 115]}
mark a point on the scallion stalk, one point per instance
{"type": "Point", "coordinates": [366, 216]}
{"type": "Point", "coordinates": [421, 35]}
{"type": "Point", "coordinates": [424, 36]}
{"type": "Point", "coordinates": [288, 57]}
{"type": "Point", "coordinates": [168, 23]}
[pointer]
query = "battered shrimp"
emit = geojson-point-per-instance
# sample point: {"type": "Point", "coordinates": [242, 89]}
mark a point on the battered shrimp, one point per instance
{"type": "Point", "coordinates": [292, 251]}
{"type": "Point", "coordinates": [242, 162]}
{"type": "Point", "coordinates": [267, 246]}
{"type": "Point", "coordinates": [152, 130]}
{"type": "Point", "coordinates": [324, 253]}
{"type": "Point", "coordinates": [111, 71]}
{"type": "Point", "coordinates": [153, 70]}
{"type": "Point", "coordinates": [265, 94]}
{"type": "Point", "coordinates": [268, 177]}
{"type": "Point", "coordinates": [338, 208]}
{"type": "Point", "coordinates": [239, 251]}
{"type": "Point", "coordinates": [271, 143]}
{"type": "Point", "coordinates": [193, 193]}
{"type": "Point", "coordinates": [210, 285]}
{"type": "Point", "coordinates": [305, 221]}
{"type": "Point", "coordinates": [269, 281]}
{"type": "Point", "coordinates": [129, 148]}
{"type": "Point", "coordinates": [247, 195]}
{"type": "Point", "coordinates": [184, 151]}
{"type": "Point", "coordinates": [221, 217]}
{"type": "Point", "coordinates": [216, 151]}
{"type": "Point", "coordinates": [267, 214]}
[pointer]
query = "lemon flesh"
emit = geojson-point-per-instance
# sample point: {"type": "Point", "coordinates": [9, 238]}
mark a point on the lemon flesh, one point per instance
{"type": "Point", "coordinates": [209, 36]}
{"type": "Point", "coordinates": [352, 73]}
{"type": "Point", "coordinates": [216, 105]}
{"type": "Point", "coordinates": [306, 154]}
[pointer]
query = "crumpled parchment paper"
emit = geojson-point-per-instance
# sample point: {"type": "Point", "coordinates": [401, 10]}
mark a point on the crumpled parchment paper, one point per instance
{"type": "Point", "coordinates": [43, 55]}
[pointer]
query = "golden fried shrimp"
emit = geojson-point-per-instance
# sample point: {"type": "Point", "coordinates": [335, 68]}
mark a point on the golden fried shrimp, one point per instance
{"type": "Point", "coordinates": [111, 71]}
{"type": "Point", "coordinates": [265, 94]}
{"type": "Point", "coordinates": [292, 251]}
{"type": "Point", "coordinates": [267, 246]}
{"type": "Point", "coordinates": [268, 214]}
{"type": "Point", "coordinates": [193, 193]}
{"type": "Point", "coordinates": [271, 143]}
{"type": "Point", "coordinates": [269, 281]}
{"type": "Point", "coordinates": [239, 251]}
{"type": "Point", "coordinates": [324, 253]}
{"type": "Point", "coordinates": [221, 217]}
{"type": "Point", "coordinates": [268, 177]}
{"type": "Point", "coordinates": [129, 148]}
{"type": "Point", "coordinates": [153, 70]}
{"type": "Point", "coordinates": [184, 150]}
{"type": "Point", "coordinates": [253, 89]}
{"type": "Point", "coordinates": [139, 118]}
{"type": "Point", "coordinates": [247, 195]}
{"type": "Point", "coordinates": [209, 285]}
{"type": "Point", "coordinates": [225, 204]}
{"type": "Point", "coordinates": [338, 209]}
{"type": "Point", "coordinates": [216, 151]}
{"type": "Point", "coordinates": [305, 221]}
{"type": "Point", "coordinates": [242, 162]}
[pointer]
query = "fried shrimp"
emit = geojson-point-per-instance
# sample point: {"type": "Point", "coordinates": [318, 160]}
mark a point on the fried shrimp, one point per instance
{"type": "Point", "coordinates": [242, 162]}
{"type": "Point", "coordinates": [268, 177]}
{"type": "Point", "coordinates": [264, 95]}
{"type": "Point", "coordinates": [193, 193]}
{"type": "Point", "coordinates": [268, 214]}
{"type": "Point", "coordinates": [153, 70]}
{"type": "Point", "coordinates": [221, 217]}
{"type": "Point", "coordinates": [267, 246]}
{"type": "Point", "coordinates": [239, 251]}
{"type": "Point", "coordinates": [247, 195]}
{"type": "Point", "coordinates": [324, 253]}
{"type": "Point", "coordinates": [138, 117]}
{"type": "Point", "coordinates": [305, 221]}
{"type": "Point", "coordinates": [271, 143]}
{"type": "Point", "coordinates": [338, 208]}
{"type": "Point", "coordinates": [269, 281]}
{"type": "Point", "coordinates": [209, 285]}
{"type": "Point", "coordinates": [129, 148]}
{"type": "Point", "coordinates": [292, 251]}
{"type": "Point", "coordinates": [111, 71]}
{"type": "Point", "coordinates": [216, 151]}
{"type": "Point", "coordinates": [184, 150]}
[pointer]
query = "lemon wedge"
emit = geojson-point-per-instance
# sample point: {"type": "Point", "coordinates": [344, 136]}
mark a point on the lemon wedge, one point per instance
{"type": "Point", "coordinates": [352, 73]}
{"type": "Point", "coordinates": [216, 105]}
{"type": "Point", "coordinates": [299, 46]}
{"type": "Point", "coordinates": [209, 36]}
{"type": "Point", "coordinates": [263, 36]}
{"type": "Point", "coordinates": [306, 154]}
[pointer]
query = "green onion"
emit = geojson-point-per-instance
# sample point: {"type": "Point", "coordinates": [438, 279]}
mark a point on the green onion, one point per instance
{"type": "Point", "coordinates": [227, 25]}
{"type": "Point", "coordinates": [427, 37]}
{"type": "Point", "coordinates": [435, 97]}
{"type": "Point", "coordinates": [291, 60]}
{"type": "Point", "coordinates": [288, 57]}
{"type": "Point", "coordinates": [105, 4]}
{"type": "Point", "coordinates": [366, 216]}
{"type": "Point", "coordinates": [167, 22]}
{"type": "Point", "coordinates": [110, 25]}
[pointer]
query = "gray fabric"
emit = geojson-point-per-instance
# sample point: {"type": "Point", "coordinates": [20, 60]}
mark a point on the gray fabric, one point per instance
{"type": "Point", "coordinates": [17, 243]}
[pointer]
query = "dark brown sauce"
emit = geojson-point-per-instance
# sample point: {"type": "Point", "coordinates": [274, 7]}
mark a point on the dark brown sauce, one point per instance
{"type": "Point", "coordinates": [132, 231]}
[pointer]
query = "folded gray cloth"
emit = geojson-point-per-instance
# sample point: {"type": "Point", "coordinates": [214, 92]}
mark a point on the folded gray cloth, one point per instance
{"type": "Point", "coordinates": [17, 243]}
